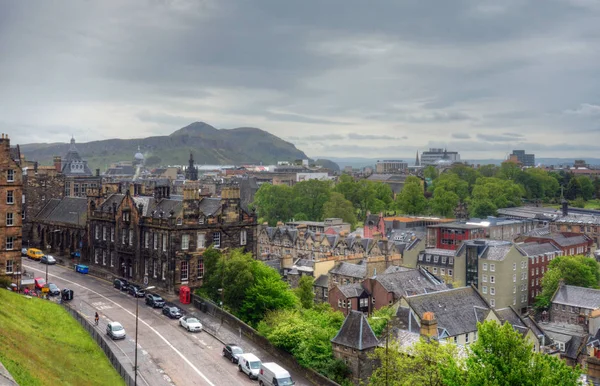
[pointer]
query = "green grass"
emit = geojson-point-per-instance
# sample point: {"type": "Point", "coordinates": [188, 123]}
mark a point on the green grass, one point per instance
{"type": "Point", "coordinates": [41, 344]}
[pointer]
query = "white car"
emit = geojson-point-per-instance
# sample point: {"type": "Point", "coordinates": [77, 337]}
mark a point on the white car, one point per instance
{"type": "Point", "coordinates": [190, 323]}
{"type": "Point", "coordinates": [115, 330]}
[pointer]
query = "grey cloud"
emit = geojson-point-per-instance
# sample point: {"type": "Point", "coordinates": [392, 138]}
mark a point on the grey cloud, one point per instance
{"type": "Point", "coordinates": [461, 135]}
{"type": "Point", "coordinates": [165, 119]}
{"type": "Point", "coordinates": [439, 116]}
{"type": "Point", "coordinates": [496, 138]}
{"type": "Point", "coordinates": [371, 136]}
{"type": "Point", "coordinates": [302, 119]}
{"type": "Point", "coordinates": [318, 137]}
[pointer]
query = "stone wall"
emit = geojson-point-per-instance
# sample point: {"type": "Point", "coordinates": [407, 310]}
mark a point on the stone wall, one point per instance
{"type": "Point", "coordinates": [284, 358]}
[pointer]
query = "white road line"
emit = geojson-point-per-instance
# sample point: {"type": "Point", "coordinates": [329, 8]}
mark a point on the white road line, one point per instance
{"type": "Point", "coordinates": [147, 325]}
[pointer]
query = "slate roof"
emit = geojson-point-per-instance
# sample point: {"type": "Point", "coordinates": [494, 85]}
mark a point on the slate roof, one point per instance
{"type": "Point", "coordinates": [275, 264]}
{"type": "Point", "coordinates": [577, 296]}
{"type": "Point", "coordinates": [509, 315]}
{"type": "Point", "coordinates": [456, 310]}
{"type": "Point", "coordinates": [411, 282]}
{"type": "Point", "coordinates": [322, 281]}
{"type": "Point", "coordinates": [353, 290]}
{"type": "Point", "coordinates": [69, 210]}
{"type": "Point", "coordinates": [209, 206]}
{"type": "Point", "coordinates": [536, 249]}
{"type": "Point", "coordinates": [356, 332]}
{"type": "Point", "coordinates": [350, 270]}
{"type": "Point", "coordinates": [574, 346]}
{"type": "Point", "coordinates": [116, 198]}
{"type": "Point", "coordinates": [396, 268]}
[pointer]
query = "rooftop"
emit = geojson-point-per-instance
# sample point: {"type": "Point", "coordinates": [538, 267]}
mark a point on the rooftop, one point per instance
{"type": "Point", "coordinates": [577, 296]}
{"type": "Point", "coordinates": [356, 332]}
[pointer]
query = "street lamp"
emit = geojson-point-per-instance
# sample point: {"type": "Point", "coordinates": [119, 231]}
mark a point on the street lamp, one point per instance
{"type": "Point", "coordinates": [135, 366]}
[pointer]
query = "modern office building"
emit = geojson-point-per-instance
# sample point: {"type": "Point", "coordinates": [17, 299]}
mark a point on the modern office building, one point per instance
{"type": "Point", "coordinates": [433, 156]}
{"type": "Point", "coordinates": [527, 160]}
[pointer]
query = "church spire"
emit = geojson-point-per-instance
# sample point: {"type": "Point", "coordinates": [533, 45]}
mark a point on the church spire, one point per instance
{"type": "Point", "coordinates": [417, 163]}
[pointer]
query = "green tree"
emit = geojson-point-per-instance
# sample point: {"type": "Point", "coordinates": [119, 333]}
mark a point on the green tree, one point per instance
{"type": "Point", "coordinates": [576, 270]}
{"type": "Point", "coordinates": [444, 202]}
{"type": "Point", "coordinates": [488, 170]}
{"type": "Point", "coordinates": [213, 273]}
{"type": "Point", "coordinates": [309, 197]}
{"type": "Point", "coordinates": [237, 278]}
{"type": "Point", "coordinates": [482, 208]}
{"type": "Point", "coordinates": [419, 364]}
{"type": "Point", "coordinates": [337, 206]}
{"type": "Point", "coordinates": [574, 189]}
{"type": "Point", "coordinates": [501, 356]}
{"type": "Point", "coordinates": [304, 292]}
{"type": "Point", "coordinates": [587, 187]}
{"type": "Point", "coordinates": [490, 193]}
{"type": "Point", "coordinates": [453, 183]}
{"type": "Point", "coordinates": [274, 203]}
{"type": "Point", "coordinates": [365, 195]}
{"type": "Point", "coordinates": [411, 199]}
{"type": "Point", "coordinates": [465, 173]}
{"type": "Point", "coordinates": [509, 171]}
{"type": "Point", "coordinates": [430, 172]}
{"type": "Point", "coordinates": [379, 319]}
{"type": "Point", "coordinates": [579, 202]}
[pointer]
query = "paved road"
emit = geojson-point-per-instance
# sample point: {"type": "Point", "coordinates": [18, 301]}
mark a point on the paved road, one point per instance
{"type": "Point", "coordinates": [167, 354]}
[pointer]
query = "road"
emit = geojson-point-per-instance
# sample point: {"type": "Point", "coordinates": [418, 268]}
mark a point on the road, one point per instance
{"type": "Point", "coordinates": [167, 354]}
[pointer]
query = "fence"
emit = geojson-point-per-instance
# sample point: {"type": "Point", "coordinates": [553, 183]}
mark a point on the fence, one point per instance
{"type": "Point", "coordinates": [285, 358]}
{"type": "Point", "coordinates": [98, 336]}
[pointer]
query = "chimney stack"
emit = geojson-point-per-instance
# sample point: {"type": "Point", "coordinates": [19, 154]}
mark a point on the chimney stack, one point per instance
{"type": "Point", "coordinates": [58, 163]}
{"type": "Point", "coordinates": [97, 172]}
{"type": "Point", "coordinates": [565, 207]}
{"type": "Point", "coordinates": [429, 325]}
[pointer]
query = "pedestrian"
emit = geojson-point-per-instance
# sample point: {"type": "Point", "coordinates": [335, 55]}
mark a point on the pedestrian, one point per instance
{"type": "Point", "coordinates": [96, 319]}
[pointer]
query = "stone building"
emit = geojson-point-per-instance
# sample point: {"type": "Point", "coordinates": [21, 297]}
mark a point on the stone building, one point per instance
{"type": "Point", "coordinates": [78, 176]}
{"type": "Point", "coordinates": [191, 173]}
{"type": "Point", "coordinates": [353, 344]}
{"type": "Point", "coordinates": [160, 240]}
{"type": "Point", "coordinates": [11, 215]}
{"type": "Point", "coordinates": [40, 185]}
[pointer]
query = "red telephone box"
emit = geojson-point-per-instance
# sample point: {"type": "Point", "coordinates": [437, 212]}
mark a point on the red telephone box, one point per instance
{"type": "Point", "coordinates": [185, 296]}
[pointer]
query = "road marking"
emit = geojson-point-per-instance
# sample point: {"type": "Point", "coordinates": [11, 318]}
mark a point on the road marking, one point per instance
{"type": "Point", "coordinates": [142, 321]}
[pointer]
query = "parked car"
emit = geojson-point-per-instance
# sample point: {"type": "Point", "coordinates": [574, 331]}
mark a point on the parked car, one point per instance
{"type": "Point", "coordinates": [115, 330]}
{"type": "Point", "coordinates": [39, 283]}
{"type": "Point", "coordinates": [53, 289]}
{"type": "Point", "coordinates": [47, 259]}
{"type": "Point", "coordinates": [249, 364]}
{"type": "Point", "coordinates": [155, 301]}
{"type": "Point", "coordinates": [136, 291]}
{"type": "Point", "coordinates": [271, 374]}
{"type": "Point", "coordinates": [67, 294]}
{"type": "Point", "coordinates": [34, 254]}
{"type": "Point", "coordinates": [23, 251]}
{"type": "Point", "coordinates": [121, 284]}
{"type": "Point", "coordinates": [190, 323]}
{"type": "Point", "coordinates": [231, 352]}
{"type": "Point", "coordinates": [172, 311]}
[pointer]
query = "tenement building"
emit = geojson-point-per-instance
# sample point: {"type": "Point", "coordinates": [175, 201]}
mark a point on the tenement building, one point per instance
{"type": "Point", "coordinates": [11, 192]}
{"type": "Point", "coordinates": [160, 240]}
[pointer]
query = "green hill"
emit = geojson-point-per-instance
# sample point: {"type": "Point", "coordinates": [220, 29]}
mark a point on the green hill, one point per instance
{"type": "Point", "coordinates": [208, 145]}
{"type": "Point", "coordinates": [41, 344]}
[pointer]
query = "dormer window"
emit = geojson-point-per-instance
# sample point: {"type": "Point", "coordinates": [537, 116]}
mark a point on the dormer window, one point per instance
{"type": "Point", "coordinates": [179, 221]}
{"type": "Point", "coordinates": [126, 216]}
{"type": "Point", "coordinates": [201, 220]}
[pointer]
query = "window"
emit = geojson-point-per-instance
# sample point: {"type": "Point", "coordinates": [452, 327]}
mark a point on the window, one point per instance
{"type": "Point", "coordinates": [146, 268]}
{"type": "Point", "coordinates": [155, 240]}
{"type": "Point", "coordinates": [243, 235]}
{"type": "Point", "coordinates": [103, 232]}
{"type": "Point", "coordinates": [428, 258]}
{"type": "Point", "coordinates": [164, 271]}
{"type": "Point", "coordinates": [522, 265]}
{"type": "Point", "coordinates": [514, 266]}
{"type": "Point", "coordinates": [537, 271]}
{"type": "Point", "coordinates": [154, 268]}
{"type": "Point", "coordinates": [493, 267]}
{"type": "Point", "coordinates": [514, 278]}
{"type": "Point", "coordinates": [10, 175]}
{"type": "Point", "coordinates": [201, 241]}
{"type": "Point", "coordinates": [179, 221]}
{"type": "Point", "coordinates": [523, 275]}
{"type": "Point", "coordinates": [467, 338]}
{"type": "Point", "coordinates": [184, 270]}
{"type": "Point", "coordinates": [436, 259]}
{"type": "Point", "coordinates": [10, 243]}
{"type": "Point", "coordinates": [514, 301]}
{"type": "Point", "coordinates": [444, 258]}
{"type": "Point", "coordinates": [484, 278]}
{"type": "Point", "coordinates": [131, 237]}
{"type": "Point", "coordinates": [126, 216]}
{"type": "Point", "coordinates": [492, 290]}
{"type": "Point", "coordinates": [185, 242]}
{"type": "Point", "coordinates": [373, 300]}
{"type": "Point", "coordinates": [97, 232]}
{"type": "Point", "coordinates": [343, 303]}
{"type": "Point", "coordinates": [442, 271]}
{"type": "Point", "coordinates": [492, 303]}
{"type": "Point", "coordinates": [339, 303]}
{"type": "Point", "coordinates": [9, 219]}
{"type": "Point", "coordinates": [146, 240]}
{"type": "Point", "coordinates": [96, 255]}
{"type": "Point", "coordinates": [449, 272]}
{"type": "Point", "coordinates": [435, 270]}
{"type": "Point", "coordinates": [112, 234]}
{"type": "Point", "coordinates": [484, 289]}
{"type": "Point", "coordinates": [420, 257]}
{"type": "Point", "coordinates": [485, 266]}
{"type": "Point", "coordinates": [201, 220]}
{"type": "Point", "coordinates": [123, 236]}
{"type": "Point", "coordinates": [10, 197]}
{"type": "Point", "coordinates": [9, 266]}
{"type": "Point", "coordinates": [455, 340]}
{"type": "Point", "coordinates": [349, 303]}
{"type": "Point", "coordinates": [514, 289]}
{"type": "Point", "coordinates": [492, 279]}
{"type": "Point", "coordinates": [112, 258]}
{"type": "Point", "coordinates": [217, 239]}
{"type": "Point", "coordinates": [164, 243]}
{"type": "Point", "coordinates": [451, 260]}
{"type": "Point", "coordinates": [104, 257]}
{"type": "Point", "coordinates": [200, 267]}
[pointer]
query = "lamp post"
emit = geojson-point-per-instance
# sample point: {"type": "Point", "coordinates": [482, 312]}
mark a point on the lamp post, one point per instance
{"type": "Point", "coordinates": [387, 335]}
{"type": "Point", "coordinates": [135, 366]}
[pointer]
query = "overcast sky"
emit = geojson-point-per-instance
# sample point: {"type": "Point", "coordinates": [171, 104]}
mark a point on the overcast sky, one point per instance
{"type": "Point", "coordinates": [337, 78]}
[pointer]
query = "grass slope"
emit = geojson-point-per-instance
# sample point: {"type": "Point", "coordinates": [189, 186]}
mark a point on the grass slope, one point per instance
{"type": "Point", "coordinates": [41, 344]}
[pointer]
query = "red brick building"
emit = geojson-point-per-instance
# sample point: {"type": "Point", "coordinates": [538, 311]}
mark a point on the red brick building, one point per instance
{"type": "Point", "coordinates": [452, 235]}
{"type": "Point", "coordinates": [569, 243]}
{"type": "Point", "coordinates": [540, 255]}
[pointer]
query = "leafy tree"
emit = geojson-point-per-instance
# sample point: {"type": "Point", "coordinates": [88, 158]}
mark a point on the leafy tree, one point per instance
{"type": "Point", "coordinates": [509, 171]}
{"type": "Point", "coordinates": [309, 198]}
{"type": "Point", "coordinates": [237, 278]}
{"type": "Point", "coordinates": [365, 195]}
{"type": "Point", "coordinates": [501, 356]}
{"type": "Point", "coordinates": [453, 183]}
{"type": "Point", "coordinates": [274, 203]}
{"type": "Point", "coordinates": [587, 187]}
{"type": "Point", "coordinates": [430, 172]}
{"type": "Point", "coordinates": [548, 184]}
{"type": "Point", "coordinates": [576, 270]}
{"type": "Point", "coordinates": [444, 202]}
{"type": "Point", "coordinates": [337, 206]}
{"type": "Point", "coordinates": [488, 170]}
{"type": "Point", "coordinates": [465, 173]}
{"type": "Point", "coordinates": [304, 292]}
{"type": "Point", "coordinates": [579, 202]}
{"type": "Point", "coordinates": [379, 319]}
{"type": "Point", "coordinates": [482, 208]}
{"type": "Point", "coordinates": [419, 364]}
{"type": "Point", "coordinates": [213, 272]}
{"type": "Point", "coordinates": [490, 193]}
{"type": "Point", "coordinates": [411, 199]}
{"type": "Point", "coordinates": [574, 189]}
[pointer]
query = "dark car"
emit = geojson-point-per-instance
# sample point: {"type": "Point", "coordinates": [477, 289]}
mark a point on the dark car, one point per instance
{"type": "Point", "coordinates": [67, 294]}
{"type": "Point", "coordinates": [121, 284]}
{"type": "Point", "coordinates": [53, 289]}
{"type": "Point", "coordinates": [155, 301]}
{"type": "Point", "coordinates": [231, 352]}
{"type": "Point", "coordinates": [172, 311]}
{"type": "Point", "coordinates": [75, 255]}
{"type": "Point", "coordinates": [136, 291]}
{"type": "Point", "coordinates": [47, 259]}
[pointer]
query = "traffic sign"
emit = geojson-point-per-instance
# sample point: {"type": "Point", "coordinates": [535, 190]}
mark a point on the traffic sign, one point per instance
{"type": "Point", "coordinates": [145, 280]}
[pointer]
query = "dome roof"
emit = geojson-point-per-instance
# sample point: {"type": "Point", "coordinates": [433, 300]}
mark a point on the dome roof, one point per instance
{"type": "Point", "coordinates": [139, 156]}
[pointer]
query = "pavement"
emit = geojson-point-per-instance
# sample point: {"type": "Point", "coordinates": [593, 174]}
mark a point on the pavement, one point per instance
{"type": "Point", "coordinates": [167, 354]}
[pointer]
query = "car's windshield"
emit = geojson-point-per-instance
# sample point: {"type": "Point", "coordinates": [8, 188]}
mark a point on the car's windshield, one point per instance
{"type": "Point", "coordinates": [52, 286]}
{"type": "Point", "coordinates": [285, 382]}
{"type": "Point", "coordinates": [237, 350]}
{"type": "Point", "coordinates": [41, 281]}
{"type": "Point", "coordinates": [193, 320]}
{"type": "Point", "coordinates": [157, 299]}
{"type": "Point", "coordinates": [117, 327]}
{"type": "Point", "coordinates": [255, 365]}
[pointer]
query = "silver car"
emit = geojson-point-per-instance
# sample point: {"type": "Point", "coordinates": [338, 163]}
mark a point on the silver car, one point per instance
{"type": "Point", "coordinates": [115, 330]}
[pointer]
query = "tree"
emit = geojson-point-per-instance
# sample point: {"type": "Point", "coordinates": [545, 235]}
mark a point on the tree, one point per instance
{"type": "Point", "coordinates": [587, 187]}
{"type": "Point", "coordinates": [274, 203]}
{"type": "Point", "coordinates": [419, 364]}
{"type": "Point", "coordinates": [309, 198]}
{"type": "Point", "coordinates": [411, 199]}
{"type": "Point", "coordinates": [430, 172]}
{"type": "Point", "coordinates": [509, 171]}
{"type": "Point", "coordinates": [465, 173]}
{"type": "Point", "coordinates": [444, 202]}
{"type": "Point", "coordinates": [482, 208]}
{"type": "Point", "coordinates": [490, 193]}
{"type": "Point", "coordinates": [337, 206]}
{"type": "Point", "coordinates": [488, 170]}
{"type": "Point", "coordinates": [573, 189]}
{"type": "Point", "coordinates": [576, 270]}
{"type": "Point", "coordinates": [501, 356]}
{"type": "Point", "coordinates": [304, 292]}
{"type": "Point", "coordinates": [237, 278]}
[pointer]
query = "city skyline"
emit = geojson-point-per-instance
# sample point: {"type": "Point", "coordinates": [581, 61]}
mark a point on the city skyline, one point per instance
{"type": "Point", "coordinates": [340, 79]}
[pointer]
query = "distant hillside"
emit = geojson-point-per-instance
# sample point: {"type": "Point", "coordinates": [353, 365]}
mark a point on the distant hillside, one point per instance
{"type": "Point", "coordinates": [208, 145]}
